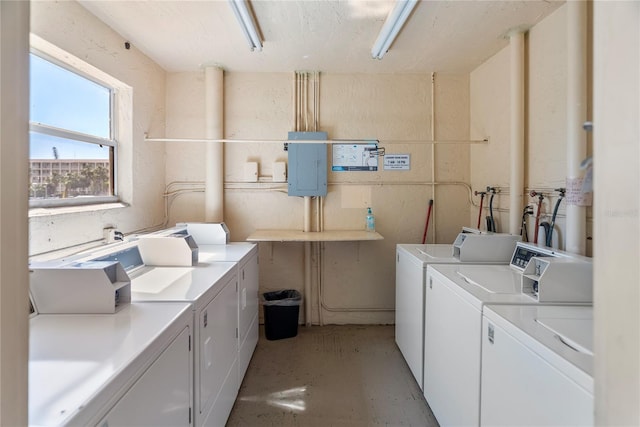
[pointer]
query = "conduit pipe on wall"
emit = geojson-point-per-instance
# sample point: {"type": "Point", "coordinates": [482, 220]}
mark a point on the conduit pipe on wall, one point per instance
{"type": "Point", "coordinates": [516, 187]}
{"type": "Point", "coordinates": [433, 150]}
{"type": "Point", "coordinates": [214, 155]}
{"type": "Point", "coordinates": [576, 116]}
{"type": "Point", "coordinates": [301, 89]}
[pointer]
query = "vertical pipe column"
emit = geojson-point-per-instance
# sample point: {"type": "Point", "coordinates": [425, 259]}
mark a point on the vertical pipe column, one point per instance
{"type": "Point", "coordinates": [576, 116]}
{"type": "Point", "coordinates": [516, 188]}
{"type": "Point", "coordinates": [214, 155]}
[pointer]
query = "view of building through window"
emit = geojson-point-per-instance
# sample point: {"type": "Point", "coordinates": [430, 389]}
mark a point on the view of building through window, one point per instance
{"type": "Point", "coordinates": [72, 148]}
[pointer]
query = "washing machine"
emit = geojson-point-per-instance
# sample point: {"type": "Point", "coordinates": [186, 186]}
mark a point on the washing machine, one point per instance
{"type": "Point", "coordinates": [454, 300]}
{"type": "Point", "coordinates": [411, 264]}
{"type": "Point", "coordinates": [537, 365]}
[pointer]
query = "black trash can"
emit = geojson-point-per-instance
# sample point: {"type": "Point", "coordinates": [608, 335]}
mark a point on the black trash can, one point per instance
{"type": "Point", "coordinates": [281, 310]}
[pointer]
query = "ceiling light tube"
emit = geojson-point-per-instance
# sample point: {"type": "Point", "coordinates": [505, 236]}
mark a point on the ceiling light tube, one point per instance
{"type": "Point", "coordinates": [392, 26]}
{"type": "Point", "coordinates": [247, 23]}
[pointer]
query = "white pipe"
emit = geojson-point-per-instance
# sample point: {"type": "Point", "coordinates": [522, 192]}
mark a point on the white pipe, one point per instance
{"type": "Point", "coordinates": [305, 102]}
{"type": "Point", "coordinates": [576, 116]}
{"type": "Point", "coordinates": [307, 283]}
{"type": "Point", "coordinates": [294, 92]}
{"type": "Point", "coordinates": [311, 141]}
{"type": "Point", "coordinates": [316, 105]}
{"type": "Point", "coordinates": [307, 262]}
{"type": "Point", "coordinates": [214, 155]}
{"type": "Point", "coordinates": [516, 187]}
{"type": "Point", "coordinates": [307, 213]}
{"type": "Point", "coordinates": [433, 154]}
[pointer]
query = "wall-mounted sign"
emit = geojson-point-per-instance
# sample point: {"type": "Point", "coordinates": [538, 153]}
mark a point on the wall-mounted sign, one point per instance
{"type": "Point", "coordinates": [397, 162]}
{"type": "Point", "coordinates": [355, 157]}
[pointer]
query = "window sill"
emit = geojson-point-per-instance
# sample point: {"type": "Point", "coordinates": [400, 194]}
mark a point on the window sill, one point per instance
{"type": "Point", "coordinates": [66, 210]}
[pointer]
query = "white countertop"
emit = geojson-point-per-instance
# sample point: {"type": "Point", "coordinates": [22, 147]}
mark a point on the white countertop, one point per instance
{"type": "Point", "coordinates": [79, 363]}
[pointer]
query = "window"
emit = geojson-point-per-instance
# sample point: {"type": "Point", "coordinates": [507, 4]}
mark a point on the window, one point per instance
{"type": "Point", "coordinates": [72, 137]}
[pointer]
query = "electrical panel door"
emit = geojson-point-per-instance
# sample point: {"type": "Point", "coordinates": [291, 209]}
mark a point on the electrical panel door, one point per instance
{"type": "Point", "coordinates": [307, 165]}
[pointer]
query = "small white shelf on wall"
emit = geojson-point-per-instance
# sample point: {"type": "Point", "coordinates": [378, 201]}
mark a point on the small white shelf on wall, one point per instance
{"type": "Point", "coordinates": [313, 236]}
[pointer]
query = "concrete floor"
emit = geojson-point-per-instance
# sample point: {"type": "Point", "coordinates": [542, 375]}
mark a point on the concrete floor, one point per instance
{"type": "Point", "coordinates": [330, 376]}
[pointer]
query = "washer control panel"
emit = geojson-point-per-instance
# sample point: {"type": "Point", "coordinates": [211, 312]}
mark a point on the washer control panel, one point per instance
{"type": "Point", "coordinates": [524, 252]}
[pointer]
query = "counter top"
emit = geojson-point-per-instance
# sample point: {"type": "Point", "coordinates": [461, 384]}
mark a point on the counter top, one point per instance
{"type": "Point", "coordinates": [313, 236]}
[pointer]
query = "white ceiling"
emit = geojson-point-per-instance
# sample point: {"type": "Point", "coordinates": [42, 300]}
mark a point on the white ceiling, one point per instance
{"type": "Point", "coordinates": [319, 35]}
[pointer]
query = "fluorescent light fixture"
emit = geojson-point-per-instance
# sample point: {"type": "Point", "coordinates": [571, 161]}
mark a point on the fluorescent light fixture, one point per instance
{"type": "Point", "coordinates": [392, 26]}
{"type": "Point", "coordinates": [247, 23]}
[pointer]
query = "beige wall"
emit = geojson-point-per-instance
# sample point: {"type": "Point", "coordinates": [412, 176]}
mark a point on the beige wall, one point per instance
{"type": "Point", "coordinates": [70, 27]}
{"type": "Point", "coordinates": [545, 123]}
{"type": "Point", "coordinates": [617, 203]}
{"type": "Point", "coordinates": [390, 108]}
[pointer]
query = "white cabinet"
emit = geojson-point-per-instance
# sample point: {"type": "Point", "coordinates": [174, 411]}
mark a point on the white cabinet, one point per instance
{"type": "Point", "coordinates": [247, 311]}
{"type": "Point", "coordinates": [410, 311]}
{"type": "Point", "coordinates": [162, 395]}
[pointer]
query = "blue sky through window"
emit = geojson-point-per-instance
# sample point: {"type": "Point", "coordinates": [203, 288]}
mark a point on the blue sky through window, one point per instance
{"type": "Point", "coordinates": [66, 100]}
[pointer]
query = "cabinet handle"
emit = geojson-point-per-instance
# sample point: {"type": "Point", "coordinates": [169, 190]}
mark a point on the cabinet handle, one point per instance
{"type": "Point", "coordinates": [430, 282]}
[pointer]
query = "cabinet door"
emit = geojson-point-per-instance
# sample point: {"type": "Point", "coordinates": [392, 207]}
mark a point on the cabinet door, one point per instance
{"type": "Point", "coordinates": [162, 395]}
{"type": "Point", "coordinates": [247, 313]}
{"type": "Point", "coordinates": [410, 312]}
{"type": "Point", "coordinates": [247, 296]}
{"type": "Point", "coordinates": [218, 347]}
{"type": "Point", "coordinates": [451, 355]}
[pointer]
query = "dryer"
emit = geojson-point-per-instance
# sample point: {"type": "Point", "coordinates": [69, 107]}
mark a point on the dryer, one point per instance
{"type": "Point", "coordinates": [454, 300]}
{"type": "Point", "coordinates": [211, 290]}
{"type": "Point", "coordinates": [537, 365]}
{"type": "Point", "coordinates": [132, 367]}
{"type": "Point", "coordinates": [411, 264]}
{"type": "Point", "coordinates": [246, 257]}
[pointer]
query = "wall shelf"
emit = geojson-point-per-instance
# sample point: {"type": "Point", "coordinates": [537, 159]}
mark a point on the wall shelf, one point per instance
{"type": "Point", "coordinates": [313, 236]}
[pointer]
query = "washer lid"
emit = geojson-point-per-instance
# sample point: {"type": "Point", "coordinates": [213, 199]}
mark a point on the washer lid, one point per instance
{"type": "Point", "coordinates": [574, 333]}
{"type": "Point", "coordinates": [560, 334]}
{"type": "Point", "coordinates": [495, 281]}
{"type": "Point", "coordinates": [436, 251]}
{"type": "Point", "coordinates": [429, 254]}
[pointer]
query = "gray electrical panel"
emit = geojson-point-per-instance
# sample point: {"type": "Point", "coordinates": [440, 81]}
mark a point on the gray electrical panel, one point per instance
{"type": "Point", "coordinates": [307, 165]}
